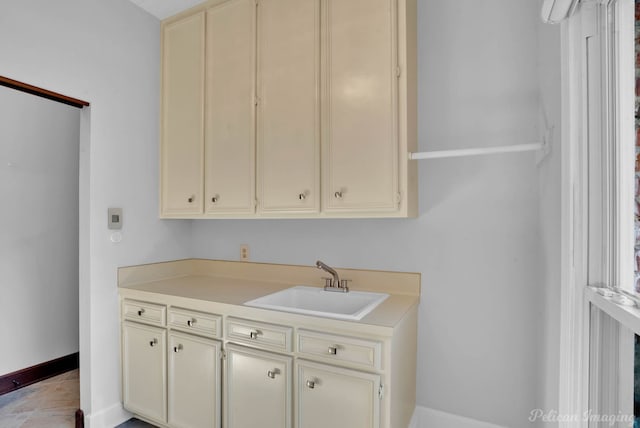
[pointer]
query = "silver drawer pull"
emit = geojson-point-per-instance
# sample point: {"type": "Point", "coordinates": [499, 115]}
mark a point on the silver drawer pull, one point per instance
{"type": "Point", "coordinates": [191, 199]}
{"type": "Point", "coordinates": [311, 384]}
{"type": "Point", "coordinates": [140, 312]}
{"type": "Point", "coordinates": [333, 350]}
{"type": "Point", "coordinates": [338, 195]}
{"type": "Point", "coordinates": [191, 322]}
{"type": "Point", "coordinates": [254, 334]}
{"type": "Point", "coordinates": [177, 349]}
{"type": "Point", "coordinates": [153, 342]}
{"type": "Point", "coordinates": [273, 373]}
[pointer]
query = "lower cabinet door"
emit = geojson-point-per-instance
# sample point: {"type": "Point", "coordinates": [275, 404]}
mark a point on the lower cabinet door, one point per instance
{"type": "Point", "coordinates": [143, 370]}
{"type": "Point", "coordinates": [335, 397]}
{"type": "Point", "coordinates": [194, 381]}
{"type": "Point", "coordinates": [257, 389]}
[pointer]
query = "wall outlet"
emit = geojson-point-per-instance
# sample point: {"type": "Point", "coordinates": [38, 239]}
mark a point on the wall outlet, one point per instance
{"type": "Point", "coordinates": [244, 252]}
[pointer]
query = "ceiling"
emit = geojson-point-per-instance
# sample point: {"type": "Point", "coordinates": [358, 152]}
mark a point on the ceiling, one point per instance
{"type": "Point", "coordinates": [164, 8]}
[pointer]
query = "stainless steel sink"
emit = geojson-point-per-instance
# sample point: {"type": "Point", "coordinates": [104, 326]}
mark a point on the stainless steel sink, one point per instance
{"type": "Point", "coordinates": [353, 305]}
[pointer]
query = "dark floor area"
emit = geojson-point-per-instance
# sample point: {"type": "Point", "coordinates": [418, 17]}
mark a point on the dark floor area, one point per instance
{"type": "Point", "coordinates": [135, 423]}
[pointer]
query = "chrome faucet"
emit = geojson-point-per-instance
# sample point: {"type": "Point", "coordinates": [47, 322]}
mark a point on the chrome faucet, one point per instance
{"type": "Point", "coordinates": [335, 283]}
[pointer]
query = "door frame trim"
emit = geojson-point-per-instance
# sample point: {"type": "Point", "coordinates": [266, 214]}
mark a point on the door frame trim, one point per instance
{"type": "Point", "coordinates": [41, 92]}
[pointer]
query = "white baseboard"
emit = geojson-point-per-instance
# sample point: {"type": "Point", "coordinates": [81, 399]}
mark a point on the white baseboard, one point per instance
{"type": "Point", "coordinates": [414, 419]}
{"type": "Point", "coordinates": [423, 417]}
{"type": "Point", "coordinates": [107, 418]}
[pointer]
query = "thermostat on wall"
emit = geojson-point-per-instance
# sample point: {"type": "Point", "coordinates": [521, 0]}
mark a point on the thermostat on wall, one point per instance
{"type": "Point", "coordinates": [115, 218]}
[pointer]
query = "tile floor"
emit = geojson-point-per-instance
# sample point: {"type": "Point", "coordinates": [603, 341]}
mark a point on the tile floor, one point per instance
{"type": "Point", "coordinates": [51, 403]}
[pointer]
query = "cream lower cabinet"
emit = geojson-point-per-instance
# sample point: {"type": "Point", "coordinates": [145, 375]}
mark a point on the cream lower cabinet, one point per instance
{"type": "Point", "coordinates": [144, 367]}
{"type": "Point", "coordinates": [257, 389]}
{"type": "Point", "coordinates": [329, 396]}
{"type": "Point", "coordinates": [194, 381]}
{"type": "Point", "coordinates": [170, 376]}
{"type": "Point", "coordinates": [185, 368]}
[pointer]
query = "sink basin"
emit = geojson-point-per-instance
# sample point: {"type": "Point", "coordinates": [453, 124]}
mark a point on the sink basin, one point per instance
{"type": "Point", "coordinates": [353, 305]}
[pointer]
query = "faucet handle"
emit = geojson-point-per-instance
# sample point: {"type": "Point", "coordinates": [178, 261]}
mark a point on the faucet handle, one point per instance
{"type": "Point", "coordinates": [328, 282]}
{"type": "Point", "coordinates": [343, 284]}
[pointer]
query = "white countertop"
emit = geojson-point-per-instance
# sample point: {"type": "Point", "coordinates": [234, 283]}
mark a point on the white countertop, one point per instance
{"type": "Point", "coordinates": [221, 286]}
{"type": "Point", "coordinates": [234, 291]}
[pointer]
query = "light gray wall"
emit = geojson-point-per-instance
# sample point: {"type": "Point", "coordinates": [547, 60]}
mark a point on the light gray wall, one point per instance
{"type": "Point", "coordinates": [477, 239]}
{"type": "Point", "coordinates": [39, 141]}
{"type": "Point", "coordinates": [549, 54]}
{"type": "Point", "coordinates": [108, 53]}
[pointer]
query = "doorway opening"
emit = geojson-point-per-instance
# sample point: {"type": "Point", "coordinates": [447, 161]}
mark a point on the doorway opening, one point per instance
{"type": "Point", "coordinates": [40, 139]}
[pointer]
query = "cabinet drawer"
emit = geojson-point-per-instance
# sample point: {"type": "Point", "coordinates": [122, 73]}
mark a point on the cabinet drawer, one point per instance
{"type": "Point", "coordinates": [259, 334]}
{"type": "Point", "coordinates": [195, 322]}
{"type": "Point", "coordinates": [366, 353]}
{"type": "Point", "coordinates": [148, 313]}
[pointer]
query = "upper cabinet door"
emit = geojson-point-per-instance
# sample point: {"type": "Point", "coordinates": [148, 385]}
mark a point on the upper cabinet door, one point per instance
{"type": "Point", "coordinates": [182, 116]}
{"type": "Point", "coordinates": [360, 111]}
{"type": "Point", "coordinates": [288, 139]}
{"type": "Point", "coordinates": [230, 112]}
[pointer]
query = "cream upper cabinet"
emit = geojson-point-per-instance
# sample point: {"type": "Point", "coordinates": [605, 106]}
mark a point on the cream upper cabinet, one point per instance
{"type": "Point", "coordinates": [290, 109]}
{"type": "Point", "coordinates": [230, 108]}
{"type": "Point", "coordinates": [194, 381]}
{"type": "Point", "coordinates": [182, 116]}
{"type": "Point", "coordinates": [288, 127]}
{"type": "Point", "coordinates": [360, 98]}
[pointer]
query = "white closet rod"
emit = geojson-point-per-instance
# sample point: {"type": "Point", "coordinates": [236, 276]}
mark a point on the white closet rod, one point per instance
{"type": "Point", "coordinates": [477, 152]}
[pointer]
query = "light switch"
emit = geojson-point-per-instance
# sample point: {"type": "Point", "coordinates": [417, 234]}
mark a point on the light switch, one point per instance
{"type": "Point", "coordinates": [115, 218]}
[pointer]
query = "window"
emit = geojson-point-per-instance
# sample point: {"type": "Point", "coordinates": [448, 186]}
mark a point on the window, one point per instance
{"type": "Point", "coordinates": [600, 325]}
{"type": "Point", "coordinates": [637, 145]}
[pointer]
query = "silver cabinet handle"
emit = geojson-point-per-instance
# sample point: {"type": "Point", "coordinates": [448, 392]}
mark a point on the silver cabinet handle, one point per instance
{"type": "Point", "coordinates": [338, 195]}
{"type": "Point", "coordinates": [333, 350]}
{"type": "Point", "coordinates": [302, 196]}
{"type": "Point", "coordinates": [140, 312]}
{"type": "Point", "coordinates": [191, 322]}
{"type": "Point", "coordinates": [191, 199]}
{"type": "Point", "coordinates": [177, 349]}
{"type": "Point", "coordinates": [153, 342]}
{"type": "Point", "coordinates": [311, 384]}
{"type": "Point", "coordinates": [254, 334]}
{"type": "Point", "coordinates": [272, 373]}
